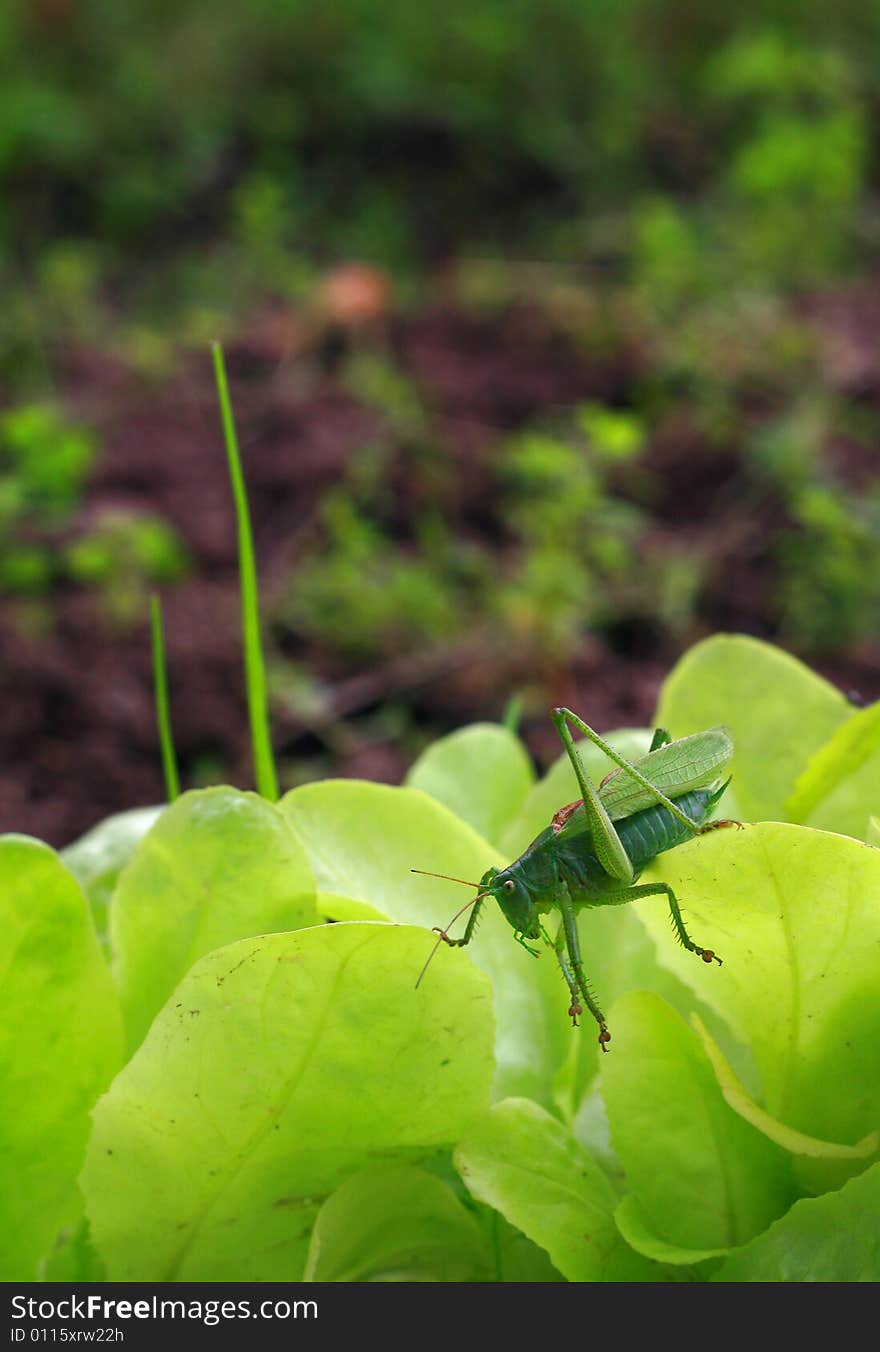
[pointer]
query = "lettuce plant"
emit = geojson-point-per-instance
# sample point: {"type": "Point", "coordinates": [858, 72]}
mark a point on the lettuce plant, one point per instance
{"type": "Point", "coordinates": [206, 1080]}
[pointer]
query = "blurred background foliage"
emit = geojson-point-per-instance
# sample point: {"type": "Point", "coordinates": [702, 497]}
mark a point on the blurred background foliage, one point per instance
{"type": "Point", "coordinates": [675, 202]}
{"type": "Point", "coordinates": [399, 131]}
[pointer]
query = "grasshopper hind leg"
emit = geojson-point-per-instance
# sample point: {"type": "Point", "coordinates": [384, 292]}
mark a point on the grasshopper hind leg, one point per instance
{"type": "Point", "coordinates": [625, 894]}
{"type": "Point", "coordinates": [707, 954]}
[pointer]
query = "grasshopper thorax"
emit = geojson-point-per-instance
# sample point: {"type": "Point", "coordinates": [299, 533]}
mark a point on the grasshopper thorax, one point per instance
{"type": "Point", "coordinates": [514, 899]}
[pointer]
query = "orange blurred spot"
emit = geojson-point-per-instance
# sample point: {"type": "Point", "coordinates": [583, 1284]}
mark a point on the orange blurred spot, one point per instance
{"type": "Point", "coordinates": [355, 295]}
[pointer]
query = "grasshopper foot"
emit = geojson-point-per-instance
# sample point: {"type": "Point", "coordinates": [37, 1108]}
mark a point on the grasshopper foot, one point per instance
{"type": "Point", "coordinates": [574, 1011]}
{"type": "Point", "coordinates": [520, 939]}
{"type": "Point", "coordinates": [708, 955]}
{"type": "Point", "coordinates": [604, 1037]}
{"type": "Point", "coordinates": [720, 825]}
{"type": "Point", "coordinates": [444, 937]}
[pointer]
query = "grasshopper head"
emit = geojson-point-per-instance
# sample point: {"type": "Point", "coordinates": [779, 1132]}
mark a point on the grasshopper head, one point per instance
{"type": "Point", "coordinates": [514, 899]}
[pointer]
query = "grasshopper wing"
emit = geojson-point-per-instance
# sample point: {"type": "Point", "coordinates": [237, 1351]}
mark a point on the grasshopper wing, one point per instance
{"type": "Point", "coordinates": [693, 762]}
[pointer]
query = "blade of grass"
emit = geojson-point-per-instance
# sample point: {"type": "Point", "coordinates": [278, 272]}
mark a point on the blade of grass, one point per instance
{"type": "Point", "coordinates": [255, 675]}
{"type": "Point", "coordinates": [512, 716]}
{"type": "Point", "coordinates": [163, 707]}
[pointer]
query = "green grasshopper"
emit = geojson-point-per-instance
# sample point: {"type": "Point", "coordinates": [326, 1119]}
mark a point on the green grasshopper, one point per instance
{"type": "Point", "coordinates": [595, 848]}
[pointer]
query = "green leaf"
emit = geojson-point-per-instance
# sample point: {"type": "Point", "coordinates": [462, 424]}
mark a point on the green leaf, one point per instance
{"type": "Point", "coordinates": [481, 773]}
{"type": "Point", "coordinates": [837, 788]}
{"type": "Point", "coordinates": [517, 1259]}
{"type": "Point", "coordinates": [872, 836]}
{"type": "Point", "coordinates": [702, 1179]}
{"type": "Point", "coordinates": [217, 866]}
{"type": "Point", "coordinates": [834, 1238]}
{"type": "Point", "coordinates": [619, 956]}
{"type": "Point", "coordinates": [74, 1259]}
{"type": "Point", "coordinates": [281, 1066]}
{"type": "Point", "coordinates": [777, 710]}
{"type": "Point", "coordinates": [528, 1166]}
{"type": "Point", "coordinates": [396, 1223]}
{"type": "Point", "coordinates": [635, 1226]}
{"type": "Point", "coordinates": [364, 840]}
{"type": "Point", "coordinates": [60, 1042]}
{"type": "Point", "coordinates": [793, 913]}
{"type": "Point", "coordinates": [824, 1162]}
{"type": "Point", "coordinates": [559, 786]}
{"type": "Point", "coordinates": [97, 858]}
{"type": "Point", "coordinates": [332, 907]}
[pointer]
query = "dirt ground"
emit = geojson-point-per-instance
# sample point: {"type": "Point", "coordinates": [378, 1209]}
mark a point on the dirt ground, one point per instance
{"type": "Point", "coordinates": [77, 724]}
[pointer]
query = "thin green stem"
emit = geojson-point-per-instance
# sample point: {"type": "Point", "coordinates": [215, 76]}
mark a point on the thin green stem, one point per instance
{"type": "Point", "coordinates": [163, 707]}
{"type": "Point", "coordinates": [512, 716]}
{"type": "Point", "coordinates": [255, 675]}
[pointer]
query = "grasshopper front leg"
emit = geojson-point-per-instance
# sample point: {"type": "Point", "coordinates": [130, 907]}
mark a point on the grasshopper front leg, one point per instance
{"type": "Point", "coordinates": [443, 935]}
{"type": "Point", "coordinates": [468, 929]}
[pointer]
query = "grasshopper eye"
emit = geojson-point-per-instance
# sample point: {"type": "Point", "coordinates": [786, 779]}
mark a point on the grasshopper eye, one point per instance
{"type": "Point", "coordinates": [509, 885]}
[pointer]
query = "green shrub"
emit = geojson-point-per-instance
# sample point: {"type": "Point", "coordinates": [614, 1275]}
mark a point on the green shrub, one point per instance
{"type": "Point", "coordinates": [125, 555]}
{"type": "Point", "coordinates": [44, 461]}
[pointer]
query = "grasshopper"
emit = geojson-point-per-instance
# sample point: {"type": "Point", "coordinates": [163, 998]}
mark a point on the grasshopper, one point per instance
{"type": "Point", "coordinates": [595, 848]}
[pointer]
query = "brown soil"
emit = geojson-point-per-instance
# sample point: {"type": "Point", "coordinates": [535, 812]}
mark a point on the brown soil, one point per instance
{"type": "Point", "coordinates": [77, 728]}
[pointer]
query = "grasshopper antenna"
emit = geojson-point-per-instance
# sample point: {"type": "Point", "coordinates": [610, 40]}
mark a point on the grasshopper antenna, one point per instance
{"type": "Point", "coordinates": [448, 878]}
{"type": "Point", "coordinates": [443, 933]}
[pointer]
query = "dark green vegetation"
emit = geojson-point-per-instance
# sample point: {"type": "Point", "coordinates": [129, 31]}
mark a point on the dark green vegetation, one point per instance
{"type": "Point", "coordinates": [396, 133]}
